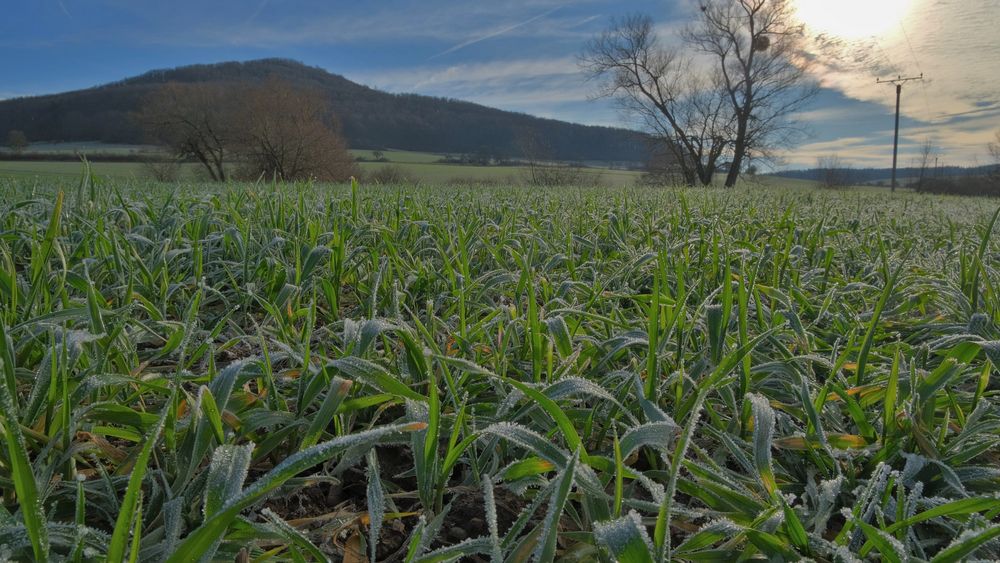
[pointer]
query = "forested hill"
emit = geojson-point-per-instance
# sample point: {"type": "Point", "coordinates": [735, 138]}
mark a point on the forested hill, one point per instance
{"type": "Point", "coordinates": [370, 118]}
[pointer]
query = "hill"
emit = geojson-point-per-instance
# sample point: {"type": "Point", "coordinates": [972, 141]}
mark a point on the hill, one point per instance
{"type": "Point", "coordinates": [371, 119]}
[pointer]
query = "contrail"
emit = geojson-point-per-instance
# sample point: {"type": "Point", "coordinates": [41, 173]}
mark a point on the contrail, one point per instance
{"type": "Point", "coordinates": [260, 8]}
{"type": "Point", "coordinates": [493, 34]}
{"type": "Point", "coordinates": [63, 8]}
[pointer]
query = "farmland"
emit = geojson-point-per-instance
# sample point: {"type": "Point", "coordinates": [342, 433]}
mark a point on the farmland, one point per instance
{"type": "Point", "coordinates": [296, 372]}
{"type": "Point", "coordinates": [415, 166]}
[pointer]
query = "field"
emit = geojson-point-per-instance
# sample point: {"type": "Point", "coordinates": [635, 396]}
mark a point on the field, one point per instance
{"type": "Point", "coordinates": [418, 166]}
{"type": "Point", "coordinates": [363, 373]}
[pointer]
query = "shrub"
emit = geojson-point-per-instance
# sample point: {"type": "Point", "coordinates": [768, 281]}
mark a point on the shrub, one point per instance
{"type": "Point", "coordinates": [162, 170]}
{"type": "Point", "coordinates": [389, 175]}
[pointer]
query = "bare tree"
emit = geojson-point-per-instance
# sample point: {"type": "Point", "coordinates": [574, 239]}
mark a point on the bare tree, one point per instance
{"type": "Point", "coordinates": [662, 168]}
{"type": "Point", "coordinates": [269, 129]}
{"type": "Point", "coordinates": [994, 148]}
{"type": "Point", "coordinates": [290, 133]}
{"type": "Point", "coordinates": [194, 121]}
{"type": "Point", "coordinates": [756, 47]}
{"type": "Point", "coordinates": [681, 107]}
{"type": "Point", "coordinates": [17, 141]}
{"type": "Point", "coordinates": [833, 173]}
{"type": "Point", "coordinates": [723, 95]}
{"type": "Point", "coordinates": [543, 170]}
{"type": "Point", "coordinates": [162, 170]}
{"type": "Point", "coordinates": [924, 160]}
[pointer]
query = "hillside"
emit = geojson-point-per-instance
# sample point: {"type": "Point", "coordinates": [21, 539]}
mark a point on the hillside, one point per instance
{"type": "Point", "coordinates": [371, 119]}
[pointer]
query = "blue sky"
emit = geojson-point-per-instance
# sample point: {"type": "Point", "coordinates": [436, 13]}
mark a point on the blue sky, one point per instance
{"type": "Point", "coordinates": [521, 55]}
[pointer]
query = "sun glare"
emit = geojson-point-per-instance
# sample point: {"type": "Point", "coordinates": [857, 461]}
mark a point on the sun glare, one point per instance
{"type": "Point", "coordinates": [852, 19]}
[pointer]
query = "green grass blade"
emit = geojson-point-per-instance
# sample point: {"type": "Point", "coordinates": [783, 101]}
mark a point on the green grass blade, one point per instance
{"type": "Point", "coordinates": [966, 544]}
{"type": "Point", "coordinates": [202, 538]}
{"type": "Point", "coordinates": [335, 395]}
{"type": "Point", "coordinates": [24, 479]}
{"type": "Point", "coordinates": [126, 515]}
{"type": "Point", "coordinates": [563, 485]}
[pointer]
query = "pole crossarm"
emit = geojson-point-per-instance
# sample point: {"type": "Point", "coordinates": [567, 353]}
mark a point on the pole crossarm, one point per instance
{"type": "Point", "coordinates": [899, 79]}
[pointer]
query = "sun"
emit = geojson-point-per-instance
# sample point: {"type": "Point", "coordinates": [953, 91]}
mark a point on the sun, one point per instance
{"type": "Point", "coordinates": [852, 19]}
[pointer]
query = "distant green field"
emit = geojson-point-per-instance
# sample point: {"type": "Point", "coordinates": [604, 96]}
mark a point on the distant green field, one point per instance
{"type": "Point", "coordinates": [87, 147]}
{"type": "Point", "coordinates": [418, 166]}
{"type": "Point", "coordinates": [426, 168]}
{"type": "Point", "coordinates": [435, 173]}
{"type": "Point", "coordinates": [400, 157]}
{"type": "Point", "coordinates": [46, 169]}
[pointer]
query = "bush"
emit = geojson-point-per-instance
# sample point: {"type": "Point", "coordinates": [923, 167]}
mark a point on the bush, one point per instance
{"type": "Point", "coordinates": [389, 175]}
{"type": "Point", "coordinates": [473, 182]}
{"type": "Point", "coordinates": [17, 141]}
{"type": "Point", "coordinates": [560, 175]}
{"type": "Point", "coordinates": [971, 185]}
{"type": "Point", "coordinates": [162, 170]}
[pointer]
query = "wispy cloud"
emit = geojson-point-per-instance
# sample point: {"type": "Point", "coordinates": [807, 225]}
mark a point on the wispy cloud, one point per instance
{"type": "Point", "coordinates": [961, 142]}
{"type": "Point", "coordinates": [495, 33]}
{"type": "Point", "coordinates": [953, 44]}
{"type": "Point", "coordinates": [549, 87]}
{"type": "Point", "coordinates": [258, 10]}
{"type": "Point", "coordinates": [497, 73]}
{"type": "Point", "coordinates": [439, 23]}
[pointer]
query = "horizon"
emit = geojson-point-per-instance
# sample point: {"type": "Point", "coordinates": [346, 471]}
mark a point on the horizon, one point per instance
{"type": "Point", "coordinates": [520, 56]}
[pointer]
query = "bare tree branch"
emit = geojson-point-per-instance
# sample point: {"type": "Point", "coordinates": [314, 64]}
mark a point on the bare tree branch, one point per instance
{"type": "Point", "coordinates": [268, 129]}
{"type": "Point", "coordinates": [736, 109]}
{"type": "Point", "coordinates": [661, 88]}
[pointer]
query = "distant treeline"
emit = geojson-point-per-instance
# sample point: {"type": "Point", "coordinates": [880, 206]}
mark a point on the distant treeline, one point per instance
{"type": "Point", "coordinates": [967, 185]}
{"type": "Point", "coordinates": [872, 175]}
{"type": "Point", "coordinates": [370, 119]}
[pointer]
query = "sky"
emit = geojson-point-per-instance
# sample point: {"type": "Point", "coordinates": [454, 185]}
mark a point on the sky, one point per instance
{"type": "Point", "coordinates": [522, 55]}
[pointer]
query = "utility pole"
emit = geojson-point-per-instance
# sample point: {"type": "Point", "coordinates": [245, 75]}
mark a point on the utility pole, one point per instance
{"type": "Point", "coordinates": [898, 82]}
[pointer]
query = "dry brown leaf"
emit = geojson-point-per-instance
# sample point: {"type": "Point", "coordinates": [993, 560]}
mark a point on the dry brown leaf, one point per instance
{"type": "Point", "coordinates": [352, 550]}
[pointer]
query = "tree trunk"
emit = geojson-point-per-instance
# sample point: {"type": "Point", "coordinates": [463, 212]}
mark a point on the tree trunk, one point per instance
{"type": "Point", "coordinates": [739, 148]}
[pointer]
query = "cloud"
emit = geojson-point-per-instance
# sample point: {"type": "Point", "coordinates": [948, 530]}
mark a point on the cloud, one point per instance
{"type": "Point", "coordinates": [258, 10]}
{"type": "Point", "coordinates": [953, 44]}
{"type": "Point", "coordinates": [962, 142]}
{"type": "Point", "coordinates": [448, 26]}
{"type": "Point", "coordinates": [957, 105]}
{"type": "Point", "coordinates": [496, 33]}
{"type": "Point", "coordinates": [520, 84]}
{"type": "Point", "coordinates": [497, 72]}
{"type": "Point", "coordinates": [552, 87]}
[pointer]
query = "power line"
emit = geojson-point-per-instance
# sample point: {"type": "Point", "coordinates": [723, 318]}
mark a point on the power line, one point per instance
{"type": "Point", "coordinates": [885, 54]}
{"type": "Point", "coordinates": [898, 83]}
{"type": "Point", "coordinates": [916, 61]}
{"type": "Point", "coordinates": [910, 46]}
